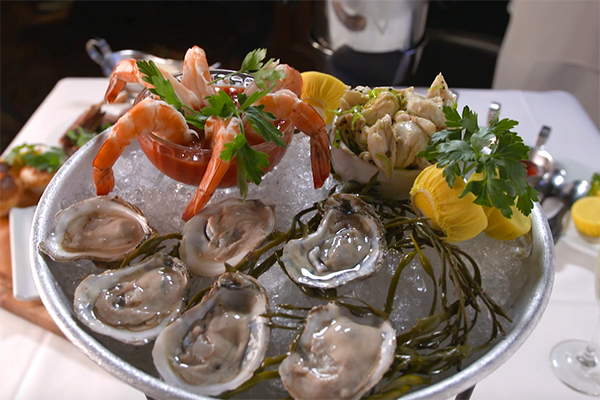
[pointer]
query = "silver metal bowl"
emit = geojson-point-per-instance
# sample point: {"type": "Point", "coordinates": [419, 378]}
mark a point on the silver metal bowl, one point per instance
{"type": "Point", "coordinates": [56, 285]}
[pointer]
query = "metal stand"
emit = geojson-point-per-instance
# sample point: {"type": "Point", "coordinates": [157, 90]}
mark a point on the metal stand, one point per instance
{"type": "Point", "coordinates": [466, 395]}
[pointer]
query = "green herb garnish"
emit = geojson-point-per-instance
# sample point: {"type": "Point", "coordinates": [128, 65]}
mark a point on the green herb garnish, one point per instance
{"type": "Point", "coordinates": [33, 156]}
{"type": "Point", "coordinates": [80, 136]}
{"type": "Point", "coordinates": [493, 151]}
{"type": "Point", "coordinates": [254, 64]}
{"type": "Point", "coordinates": [250, 162]}
{"type": "Point", "coordinates": [594, 185]}
{"type": "Point", "coordinates": [162, 87]}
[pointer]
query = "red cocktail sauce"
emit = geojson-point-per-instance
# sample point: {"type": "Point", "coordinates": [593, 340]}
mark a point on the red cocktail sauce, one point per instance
{"type": "Point", "coordinates": [187, 164]}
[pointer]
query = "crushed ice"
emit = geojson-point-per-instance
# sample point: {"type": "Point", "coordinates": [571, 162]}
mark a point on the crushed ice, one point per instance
{"type": "Point", "coordinates": [290, 188]}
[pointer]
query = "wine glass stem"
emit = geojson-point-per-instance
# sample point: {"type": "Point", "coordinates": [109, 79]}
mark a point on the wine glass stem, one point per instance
{"type": "Point", "coordinates": [589, 358]}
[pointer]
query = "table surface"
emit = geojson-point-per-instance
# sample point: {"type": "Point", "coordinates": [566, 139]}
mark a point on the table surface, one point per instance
{"type": "Point", "coordinates": [38, 364]}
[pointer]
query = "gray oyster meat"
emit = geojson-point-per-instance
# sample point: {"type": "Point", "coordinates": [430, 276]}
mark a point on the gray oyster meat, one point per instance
{"type": "Point", "coordinates": [100, 228]}
{"type": "Point", "coordinates": [216, 345]}
{"type": "Point", "coordinates": [133, 304]}
{"type": "Point", "coordinates": [224, 232]}
{"type": "Point", "coordinates": [349, 244]}
{"type": "Point", "coordinates": [339, 355]}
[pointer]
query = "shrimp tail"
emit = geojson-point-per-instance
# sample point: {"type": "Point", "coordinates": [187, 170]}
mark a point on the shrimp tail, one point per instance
{"type": "Point", "coordinates": [104, 178]}
{"type": "Point", "coordinates": [224, 131]}
{"type": "Point", "coordinates": [320, 158]}
{"type": "Point", "coordinates": [286, 105]}
{"type": "Point", "coordinates": [126, 71]}
{"type": "Point", "coordinates": [145, 117]}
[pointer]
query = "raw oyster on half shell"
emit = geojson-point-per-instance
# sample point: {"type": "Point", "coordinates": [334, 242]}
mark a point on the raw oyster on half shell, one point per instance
{"type": "Point", "coordinates": [339, 355]}
{"type": "Point", "coordinates": [349, 244]}
{"type": "Point", "coordinates": [216, 345]}
{"type": "Point", "coordinates": [224, 233]}
{"type": "Point", "coordinates": [135, 303]}
{"type": "Point", "coordinates": [100, 228]}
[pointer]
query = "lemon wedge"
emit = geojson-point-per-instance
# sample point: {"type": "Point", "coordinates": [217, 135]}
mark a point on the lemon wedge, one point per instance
{"type": "Point", "coordinates": [323, 91]}
{"type": "Point", "coordinates": [458, 217]}
{"type": "Point", "coordinates": [502, 228]}
{"type": "Point", "coordinates": [586, 215]}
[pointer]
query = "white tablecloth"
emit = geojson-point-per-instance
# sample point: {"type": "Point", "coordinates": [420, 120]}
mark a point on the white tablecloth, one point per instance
{"type": "Point", "coordinates": [36, 364]}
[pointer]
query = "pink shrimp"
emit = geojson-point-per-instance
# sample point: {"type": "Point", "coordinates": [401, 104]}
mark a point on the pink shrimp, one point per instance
{"type": "Point", "coordinates": [147, 116]}
{"type": "Point", "coordinates": [287, 106]}
{"type": "Point", "coordinates": [127, 71]}
{"type": "Point", "coordinates": [221, 131]}
{"type": "Point", "coordinates": [292, 80]}
{"type": "Point", "coordinates": [196, 74]}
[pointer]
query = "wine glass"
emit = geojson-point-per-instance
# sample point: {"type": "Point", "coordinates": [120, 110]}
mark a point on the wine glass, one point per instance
{"type": "Point", "coordinates": [577, 362]}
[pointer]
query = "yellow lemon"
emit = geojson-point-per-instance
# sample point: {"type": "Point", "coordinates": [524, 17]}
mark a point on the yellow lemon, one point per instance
{"type": "Point", "coordinates": [586, 215]}
{"type": "Point", "coordinates": [323, 91]}
{"type": "Point", "coordinates": [502, 228]}
{"type": "Point", "coordinates": [458, 217]}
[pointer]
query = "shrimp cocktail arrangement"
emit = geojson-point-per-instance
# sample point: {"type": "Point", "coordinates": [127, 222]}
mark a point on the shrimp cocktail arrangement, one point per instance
{"type": "Point", "coordinates": [224, 123]}
{"type": "Point", "coordinates": [336, 288]}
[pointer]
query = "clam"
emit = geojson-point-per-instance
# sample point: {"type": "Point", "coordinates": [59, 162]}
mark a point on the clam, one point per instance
{"type": "Point", "coordinates": [349, 244]}
{"type": "Point", "coordinates": [339, 355]}
{"type": "Point", "coordinates": [135, 303]}
{"type": "Point", "coordinates": [218, 344]}
{"type": "Point", "coordinates": [99, 228]}
{"type": "Point", "coordinates": [224, 233]}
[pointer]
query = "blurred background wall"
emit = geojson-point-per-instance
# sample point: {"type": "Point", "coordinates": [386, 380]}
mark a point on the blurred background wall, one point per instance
{"type": "Point", "coordinates": [44, 41]}
{"type": "Point", "coordinates": [553, 45]}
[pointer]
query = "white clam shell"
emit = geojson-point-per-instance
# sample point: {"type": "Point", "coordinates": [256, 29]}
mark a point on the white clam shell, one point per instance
{"type": "Point", "coordinates": [349, 167]}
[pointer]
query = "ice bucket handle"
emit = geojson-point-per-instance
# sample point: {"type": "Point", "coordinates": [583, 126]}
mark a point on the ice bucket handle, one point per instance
{"type": "Point", "coordinates": [98, 50]}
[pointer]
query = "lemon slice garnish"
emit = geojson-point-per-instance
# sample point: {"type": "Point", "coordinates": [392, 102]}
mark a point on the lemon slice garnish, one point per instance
{"type": "Point", "coordinates": [458, 217]}
{"type": "Point", "coordinates": [586, 215]}
{"type": "Point", "coordinates": [502, 228]}
{"type": "Point", "coordinates": [322, 91]}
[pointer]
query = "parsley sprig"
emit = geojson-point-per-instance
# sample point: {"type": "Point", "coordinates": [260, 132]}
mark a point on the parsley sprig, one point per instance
{"type": "Point", "coordinates": [250, 162]}
{"type": "Point", "coordinates": [595, 185]}
{"type": "Point", "coordinates": [495, 152]}
{"type": "Point", "coordinates": [81, 135]}
{"type": "Point", "coordinates": [34, 156]}
{"type": "Point", "coordinates": [254, 64]}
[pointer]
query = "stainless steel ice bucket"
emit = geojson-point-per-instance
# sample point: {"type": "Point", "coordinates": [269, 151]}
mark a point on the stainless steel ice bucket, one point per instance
{"type": "Point", "coordinates": [369, 41]}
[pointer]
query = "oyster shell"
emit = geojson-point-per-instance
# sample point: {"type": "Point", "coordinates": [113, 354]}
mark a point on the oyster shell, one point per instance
{"type": "Point", "coordinates": [349, 244]}
{"type": "Point", "coordinates": [135, 303]}
{"type": "Point", "coordinates": [218, 344]}
{"type": "Point", "coordinates": [100, 228]}
{"type": "Point", "coordinates": [224, 233]}
{"type": "Point", "coordinates": [339, 355]}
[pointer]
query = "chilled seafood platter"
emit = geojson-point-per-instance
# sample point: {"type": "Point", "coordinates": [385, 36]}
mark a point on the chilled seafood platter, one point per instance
{"type": "Point", "coordinates": [336, 261]}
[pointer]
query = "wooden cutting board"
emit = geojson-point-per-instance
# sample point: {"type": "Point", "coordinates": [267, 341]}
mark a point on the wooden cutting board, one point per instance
{"type": "Point", "coordinates": [33, 311]}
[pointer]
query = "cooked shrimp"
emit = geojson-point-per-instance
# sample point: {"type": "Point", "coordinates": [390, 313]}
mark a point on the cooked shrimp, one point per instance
{"type": "Point", "coordinates": [292, 80]}
{"type": "Point", "coordinates": [287, 106]}
{"type": "Point", "coordinates": [148, 116]}
{"type": "Point", "coordinates": [221, 131]}
{"type": "Point", "coordinates": [196, 74]}
{"type": "Point", "coordinates": [127, 71]}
